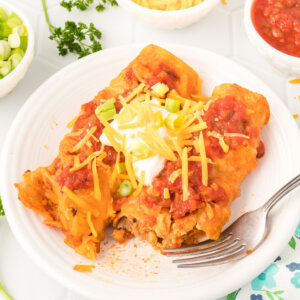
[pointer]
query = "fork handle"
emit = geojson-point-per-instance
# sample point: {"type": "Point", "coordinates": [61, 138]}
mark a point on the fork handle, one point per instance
{"type": "Point", "coordinates": [281, 193]}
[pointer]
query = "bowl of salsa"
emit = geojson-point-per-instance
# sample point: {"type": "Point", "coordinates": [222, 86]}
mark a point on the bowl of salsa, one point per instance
{"type": "Point", "coordinates": [273, 26]}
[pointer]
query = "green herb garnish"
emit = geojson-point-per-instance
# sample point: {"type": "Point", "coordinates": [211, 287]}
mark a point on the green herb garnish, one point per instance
{"type": "Point", "coordinates": [76, 38]}
{"type": "Point", "coordinates": [2, 213]}
{"type": "Point", "coordinates": [85, 4]}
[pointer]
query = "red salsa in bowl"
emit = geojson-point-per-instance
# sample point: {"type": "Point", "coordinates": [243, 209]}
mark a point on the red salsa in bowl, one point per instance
{"type": "Point", "coordinates": [278, 23]}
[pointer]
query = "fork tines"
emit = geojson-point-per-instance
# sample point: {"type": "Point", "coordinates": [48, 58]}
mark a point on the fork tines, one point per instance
{"type": "Point", "coordinates": [209, 253]}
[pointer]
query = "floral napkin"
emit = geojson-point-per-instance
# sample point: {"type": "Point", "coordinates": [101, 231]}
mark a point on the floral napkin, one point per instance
{"type": "Point", "coordinates": [280, 281]}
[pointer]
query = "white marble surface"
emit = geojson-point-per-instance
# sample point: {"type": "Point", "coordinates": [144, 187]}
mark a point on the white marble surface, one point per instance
{"type": "Point", "coordinates": [221, 31]}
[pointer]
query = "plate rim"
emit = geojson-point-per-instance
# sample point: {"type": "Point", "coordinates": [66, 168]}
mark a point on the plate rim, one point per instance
{"type": "Point", "coordinates": [6, 153]}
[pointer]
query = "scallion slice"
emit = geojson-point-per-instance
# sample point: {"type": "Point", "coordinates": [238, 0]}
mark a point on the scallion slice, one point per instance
{"type": "Point", "coordinates": [5, 50]}
{"type": "Point", "coordinates": [5, 31]}
{"type": "Point", "coordinates": [3, 15]}
{"type": "Point", "coordinates": [17, 51]}
{"type": "Point", "coordinates": [13, 20]}
{"type": "Point", "coordinates": [109, 114]}
{"type": "Point", "coordinates": [14, 40]}
{"type": "Point", "coordinates": [125, 188]}
{"type": "Point", "coordinates": [172, 105]}
{"type": "Point", "coordinates": [139, 150]}
{"type": "Point", "coordinates": [20, 30]}
{"type": "Point", "coordinates": [5, 67]}
{"type": "Point", "coordinates": [14, 60]}
{"type": "Point", "coordinates": [160, 89]}
{"type": "Point", "coordinates": [108, 105]}
{"type": "Point", "coordinates": [174, 122]}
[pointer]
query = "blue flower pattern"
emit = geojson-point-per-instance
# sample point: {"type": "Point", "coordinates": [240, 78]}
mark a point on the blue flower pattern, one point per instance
{"type": "Point", "coordinates": [256, 297]}
{"type": "Point", "coordinates": [266, 278]}
{"type": "Point", "coordinates": [267, 284]}
{"type": "Point", "coordinates": [296, 280]}
{"type": "Point", "coordinates": [293, 266]}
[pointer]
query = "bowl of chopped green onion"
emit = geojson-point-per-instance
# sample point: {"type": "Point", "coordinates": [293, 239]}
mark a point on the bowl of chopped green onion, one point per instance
{"type": "Point", "coordinates": [16, 46]}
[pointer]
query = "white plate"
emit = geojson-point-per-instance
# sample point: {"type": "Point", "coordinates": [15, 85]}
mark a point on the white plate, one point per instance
{"type": "Point", "coordinates": [135, 270]}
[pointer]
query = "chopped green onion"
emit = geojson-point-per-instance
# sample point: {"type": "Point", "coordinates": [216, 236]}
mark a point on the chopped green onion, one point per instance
{"type": "Point", "coordinates": [3, 15]}
{"type": "Point", "coordinates": [125, 188]}
{"type": "Point", "coordinates": [160, 89]}
{"type": "Point", "coordinates": [108, 105]}
{"type": "Point", "coordinates": [5, 31]}
{"type": "Point", "coordinates": [4, 50]}
{"type": "Point", "coordinates": [24, 42]}
{"type": "Point", "coordinates": [107, 110]}
{"type": "Point", "coordinates": [20, 30]}
{"type": "Point", "coordinates": [15, 59]}
{"type": "Point", "coordinates": [14, 40]}
{"type": "Point", "coordinates": [109, 114]}
{"type": "Point", "coordinates": [17, 51]}
{"type": "Point", "coordinates": [139, 150]}
{"type": "Point", "coordinates": [158, 119]}
{"type": "Point", "coordinates": [5, 67]}
{"type": "Point", "coordinates": [13, 20]}
{"type": "Point", "coordinates": [121, 168]}
{"type": "Point", "coordinates": [174, 122]}
{"type": "Point", "coordinates": [172, 105]}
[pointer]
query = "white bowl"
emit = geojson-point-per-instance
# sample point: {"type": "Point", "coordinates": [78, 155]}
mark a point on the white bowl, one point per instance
{"type": "Point", "coordinates": [10, 81]}
{"type": "Point", "coordinates": [134, 270]}
{"type": "Point", "coordinates": [286, 63]}
{"type": "Point", "coordinates": [169, 19]}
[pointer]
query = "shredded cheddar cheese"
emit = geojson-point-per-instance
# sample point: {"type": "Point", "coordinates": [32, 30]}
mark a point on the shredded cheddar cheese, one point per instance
{"type": "Point", "coordinates": [91, 225]}
{"type": "Point", "coordinates": [203, 160]}
{"type": "Point", "coordinates": [79, 202]}
{"type": "Point", "coordinates": [140, 185]}
{"type": "Point", "coordinates": [78, 166]}
{"type": "Point", "coordinates": [84, 268]}
{"type": "Point", "coordinates": [185, 179]}
{"type": "Point", "coordinates": [129, 168]}
{"type": "Point", "coordinates": [237, 135]}
{"type": "Point", "coordinates": [81, 143]}
{"type": "Point", "coordinates": [166, 193]}
{"type": "Point", "coordinates": [97, 192]}
{"type": "Point", "coordinates": [175, 175]}
{"type": "Point", "coordinates": [135, 92]}
{"type": "Point", "coordinates": [71, 124]}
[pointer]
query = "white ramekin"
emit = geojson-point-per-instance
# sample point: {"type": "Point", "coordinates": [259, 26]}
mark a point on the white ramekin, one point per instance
{"type": "Point", "coordinates": [10, 81]}
{"type": "Point", "coordinates": [288, 64]}
{"type": "Point", "coordinates": [169, 19]}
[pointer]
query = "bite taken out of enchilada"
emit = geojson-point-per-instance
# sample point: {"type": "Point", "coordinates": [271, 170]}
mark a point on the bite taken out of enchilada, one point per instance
{"type": "Point", "coordinates": [151, 156]}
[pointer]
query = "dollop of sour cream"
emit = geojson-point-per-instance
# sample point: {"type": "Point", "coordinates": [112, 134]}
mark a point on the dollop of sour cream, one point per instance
{"type": "Point", "coordinates": [151, 165]}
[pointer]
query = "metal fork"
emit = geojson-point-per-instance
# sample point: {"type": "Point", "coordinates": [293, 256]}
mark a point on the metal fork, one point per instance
{"type": "Point", "coordinates": [238, 240]}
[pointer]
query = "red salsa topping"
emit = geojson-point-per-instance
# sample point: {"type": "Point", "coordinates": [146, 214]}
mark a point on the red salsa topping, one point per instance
{"type": "Point", "coordinates": [278, 23]}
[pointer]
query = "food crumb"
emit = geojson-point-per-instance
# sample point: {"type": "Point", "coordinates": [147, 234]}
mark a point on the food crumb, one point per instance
{"type": "Point", "coordinates": [295, 116]}
{"type": "Point", "coordinates": [84, 268]}
{"type": "Point", "coordinates": [294, 81]}
{"type": "Point", "coordinates": [249, 251]}
{"type": "Point", "coordinates": [45, 146]}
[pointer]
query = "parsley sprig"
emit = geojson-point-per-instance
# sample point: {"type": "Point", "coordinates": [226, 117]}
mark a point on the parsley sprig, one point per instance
{"type": "Point", "coordinates": [85, 4]}
{"type": "Point", "coordinates": [76, 38]}
{"type": "Point", "coordinates": [2, 213]}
